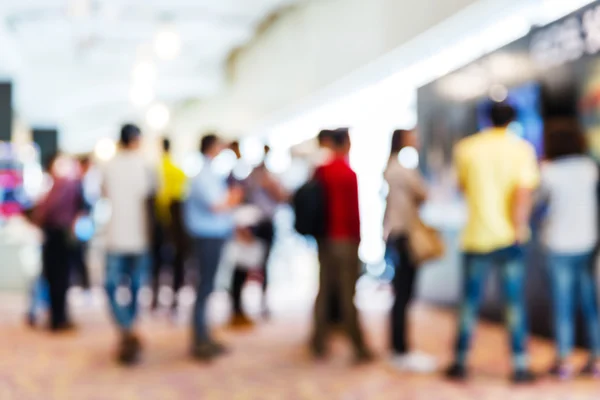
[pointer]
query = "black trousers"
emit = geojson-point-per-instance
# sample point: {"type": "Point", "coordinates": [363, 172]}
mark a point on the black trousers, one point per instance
{"type": "Point", "coordinates": [55, 265]}
{"type": "Point", "coordinates": [334, 308]}
{"type": "Point", "coordinates": [175, 236]}
{"type": "Point", "coordinates": [79, 265]}
{"type": "Point", "coordinates": [404, 282]}
{"type": "Point", "coordinates": [265, 231]}
{"type": "Point", "coordinates": [239, 278]}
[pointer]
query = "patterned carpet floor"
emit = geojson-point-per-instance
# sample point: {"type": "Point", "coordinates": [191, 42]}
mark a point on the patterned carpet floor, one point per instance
{"type": "Point", "coordinates": [270, 362]}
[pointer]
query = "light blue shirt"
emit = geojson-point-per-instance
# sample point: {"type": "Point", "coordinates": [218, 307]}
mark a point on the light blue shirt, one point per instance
{"type": "Point", "coordinates": [207, 190]}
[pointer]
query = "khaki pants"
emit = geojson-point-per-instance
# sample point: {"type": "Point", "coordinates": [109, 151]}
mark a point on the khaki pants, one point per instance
{"type": "Point", "coordinates": [339, 272]}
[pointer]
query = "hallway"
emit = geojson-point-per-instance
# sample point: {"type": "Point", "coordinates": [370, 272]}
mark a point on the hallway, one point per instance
{"type": "Point", "coordinates": [270, 362]}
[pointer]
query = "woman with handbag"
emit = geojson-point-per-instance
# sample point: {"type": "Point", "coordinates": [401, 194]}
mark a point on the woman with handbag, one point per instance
{"type": "Point", "coordinates": [406, 193]}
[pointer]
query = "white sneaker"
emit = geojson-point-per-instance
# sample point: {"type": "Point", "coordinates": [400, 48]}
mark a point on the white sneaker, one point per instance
{"type": "Point", "coordinates": [416, 362]}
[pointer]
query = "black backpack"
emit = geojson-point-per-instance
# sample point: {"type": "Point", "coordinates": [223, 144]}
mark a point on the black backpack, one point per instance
{"type": "Point", "coordinates": [310, 209]}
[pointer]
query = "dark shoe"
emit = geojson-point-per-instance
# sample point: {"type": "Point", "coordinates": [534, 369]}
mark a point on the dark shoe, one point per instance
{"type": "Point", "coordinates": [204, 352]}
{"type": "Point", "coordinates": [456, 372]}
{"type": "Point", "coordinates": [561, 371]}
{"type": "Point", "coordinates": [523, 377]}
{"type": "Point", "coordinates": [363, 356]}
{"type": "Point", "coordinates": [30, 320]}
{"type": "Point", "coordinates": [591, 369]}
{"type": "Point", "coordinates": [219, 349]}
{"type": "Point", "coordinates": [241, 321]}
{"type": "Point", "coordinates": [63, 328]}
{"type": "Point", "coordinates": [129, 350]}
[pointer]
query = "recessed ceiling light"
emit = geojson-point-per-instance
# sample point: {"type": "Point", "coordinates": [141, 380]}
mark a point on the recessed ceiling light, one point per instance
{"type": "Point", "coordinates": [158, 116]}
{"type": "Point", "coordinates": [105, 149]}
{"type": "Point", "coordinates": [167, 44]}
{"type": "Point", "coordinates": [144, 73]}
{"type": "Point", "coordinates": [141, 95]}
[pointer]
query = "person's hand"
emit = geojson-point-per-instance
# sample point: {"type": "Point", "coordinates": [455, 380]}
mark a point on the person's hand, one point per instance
{"type": "Point", "coordinates": [236, 196]}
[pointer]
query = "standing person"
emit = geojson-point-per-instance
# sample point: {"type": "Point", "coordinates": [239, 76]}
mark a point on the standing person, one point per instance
{"type": "Point", "coordinates": [56, 215]}
{"type": "Point", "coordinates": [79, 248]}
{"type": "Point", "coordinates": [169, 223]}
{"type": "Point", "coordinates": [497, 172]}
{"type": "Point", "coordinates": [407, 191]}
{"type": "Point", "coordinates": [338, 253]}
{"type": "Point", "coordinates": [209, 219]}
{"type": "Point", "coordinates": [569, 180]}
{"type": "Point", "coordinates": [128, 185]}
{"type": "Point", "coordinates": [265, 192]}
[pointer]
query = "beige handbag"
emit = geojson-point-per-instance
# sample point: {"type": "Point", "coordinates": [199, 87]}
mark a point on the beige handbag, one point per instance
{"type": "Point", "coordinates": [426, 243]}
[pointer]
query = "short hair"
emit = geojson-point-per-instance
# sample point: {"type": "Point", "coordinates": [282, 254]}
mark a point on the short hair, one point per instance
{"type": "Point", "coordinates": [129, 133]}
{"type": "Point", "coordinates": [502, 114]}
{"type": "Point", "coordinates": [564, 139]}
{"type": "Point", "coordinates": [398, 140]}
{"type": "Point", "coordinates": [340, 137]}
{"type": "Point", "coordinates": [166, 145]}
{"type": "Point", "coordinates": [267, 149]}
{"type": "Point", "coordinates": [325, 134]}
{"type": "Point", "coordinates": [207, 142]}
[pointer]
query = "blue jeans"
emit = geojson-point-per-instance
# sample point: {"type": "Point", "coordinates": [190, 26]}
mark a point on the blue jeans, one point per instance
{"type": "Point", "coordinates": [476, 267]}
{"type": "Point", "coordinates": [572, 276]}
{"type": "Point", "coordinates": [125, 271]}
{"type": "Point", "coordinates": [40, 298]}
{"type": "Point", "coordinates": [208, 255]}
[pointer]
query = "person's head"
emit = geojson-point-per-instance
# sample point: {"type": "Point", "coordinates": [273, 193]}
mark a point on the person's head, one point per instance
{"type": "Point", "coordinates": [166, 145]}
{"type": "Point", "coordinates": [502, 114]}
{"type": "Point", "coordinates": [324, 138]}
{"type": "Point", "coordinates": [562, 140]}
{"type": "Point", "coordinates": [85, 163]}
{"type": "Point", "coordinates": [402, 138]}
{"type": "Point", "coordinates": [50, 163]}
{"type": "Point", "coordinates": [267, 149]}
{"type": "Point", "coordinates": [340, 141]}
{"type": "Point", "coordinates": [211, 145]}
{"type": "Point", "coordinates": [130, 138]}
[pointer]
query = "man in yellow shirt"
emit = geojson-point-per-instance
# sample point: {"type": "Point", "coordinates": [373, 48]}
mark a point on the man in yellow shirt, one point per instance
{"type": "Point", "coordinates": [497, 171]}
{"type": "Point", "coordinates": [168, 223]}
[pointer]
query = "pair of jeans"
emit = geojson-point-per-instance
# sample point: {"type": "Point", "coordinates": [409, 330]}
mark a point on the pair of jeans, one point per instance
{"type": "Point", "coordinates": [208, 255]}
{"type": "Point", "coordinates": [403, 283]}
{"type": "Point", "coordinates": [129, 272]}
{"type": "Point", "coordinates": [39, 296]}
{"type": "Point", "coordinates": [572, 276]}
{"type": "Point", "coordinates": [55, 264]}
{"type": "Point", "coordinates": [512, 268]}
{"type": "Point", "coordinates": [265, 231]}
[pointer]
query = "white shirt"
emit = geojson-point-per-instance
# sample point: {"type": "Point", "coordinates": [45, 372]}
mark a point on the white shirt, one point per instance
{"type": "Point", "coordinates": [248, 256]}
{"type": "Point", "coordinates": [127, 184]}
{"type": "Point", "coordinates": [570, 184]}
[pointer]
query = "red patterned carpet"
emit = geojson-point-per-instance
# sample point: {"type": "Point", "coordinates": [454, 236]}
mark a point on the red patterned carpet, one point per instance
{"type": "Point", "coordinates": [269, 363]}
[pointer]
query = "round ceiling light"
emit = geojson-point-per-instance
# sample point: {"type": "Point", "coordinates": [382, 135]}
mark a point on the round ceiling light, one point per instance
{"type": "Point", "coordinates": [158, 116]}
{"type": "Point", "coordinates": [141, 95]}
{"type": "Point", "coordinates": [167, 44]}
{"type": "Point", "coordinates": [144, 73]}
{"type": "Point", "coordinates": [105, 149]}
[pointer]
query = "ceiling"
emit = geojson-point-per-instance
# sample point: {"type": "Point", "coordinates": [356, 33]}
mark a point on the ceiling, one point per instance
{"type": "Point", "coordinates": [82, 64]}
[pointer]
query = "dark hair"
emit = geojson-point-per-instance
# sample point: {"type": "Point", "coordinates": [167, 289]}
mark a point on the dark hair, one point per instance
{"type": "Point", "coordinates": [398, 138]}
{"type": "Point", "coordinates": [340, 137]}
{"type": "Point", "coordinates": [564, 139]}
{"type": "Point", "coordinates": [325, 134]}
{"type": "Point", "coordinates": [207, 142]}
{"type": "Point", "coordinates": [129, 133]}
{"type": "Point", "coordinates": [84, 159]}
{"type": "Point", "coordinates": [502, 114]}
{"type": "Point", "coordinates": [267, 149]}
{"type": "Point", "coordinates": [166, 145]}
{"type": "Point", "coordinates": [49, 161]}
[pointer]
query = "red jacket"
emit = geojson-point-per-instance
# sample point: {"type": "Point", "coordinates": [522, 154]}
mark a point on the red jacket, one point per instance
{"type": "Point", "coordinates": [341, 189]}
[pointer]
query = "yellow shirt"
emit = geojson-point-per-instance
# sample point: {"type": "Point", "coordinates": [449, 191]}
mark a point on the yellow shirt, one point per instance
{"type": "Point", "coordinates": [491, 166]}
{"type": "Point", "coordinates": [172, 187]}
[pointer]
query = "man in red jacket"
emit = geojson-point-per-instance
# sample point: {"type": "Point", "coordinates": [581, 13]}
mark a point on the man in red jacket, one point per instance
{"type": "Point", "coordinates": [338, 257]}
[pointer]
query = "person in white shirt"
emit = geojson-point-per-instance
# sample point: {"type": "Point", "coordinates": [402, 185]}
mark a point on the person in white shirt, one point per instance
{"type": "Point", "coordinates": [569, 183]}
{"type": "Point", "coordinates": [128, 184]}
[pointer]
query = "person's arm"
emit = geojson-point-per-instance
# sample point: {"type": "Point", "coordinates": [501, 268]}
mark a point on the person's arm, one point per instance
{"type": "Point", "coordinates": [417, 186]}
{"type": "Point", "coordinates": [206, 192]}
{"type": "Point", "coordinates": [274, 188]}
{"type": "Point", "coordinates": [527, 182]}
{"type": "Point", "coordinates": [354, 208]}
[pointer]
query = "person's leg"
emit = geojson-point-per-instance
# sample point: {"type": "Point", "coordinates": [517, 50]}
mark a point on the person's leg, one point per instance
{"type": "Point", "coordinates": [588, 295]}
{"type": "Point", "coordinates": [237, 284]}
{"type": "Point", "coordinates": [562, 279]}
{"type": "Point", "coordinates": [139, 265]}
{"type": "Point", "coordinates": [115, 276]}
{"type": "Point", "coordinates": [513, 276]}
{"type": "Point", "coordinates": [327, 283]}
{"type": "Point", "coordinates": [208, 255]}
{"type": "Point", "coordinates": [157, 261]}
{"type": "Point", "coordinates": [56, 271]}
{"type": "Point", "coordinates": [83, 267]}
{"type": "Point", "coordinates": [403, 283]}
{"type": "Point", "coordinates": [345, 255]}
{"type": "Point", "coordinates": [266, 233]}
{"type": "Point", "coordinates": [475, 270]}
{"type": "Point", "coordinates": [179, 243]}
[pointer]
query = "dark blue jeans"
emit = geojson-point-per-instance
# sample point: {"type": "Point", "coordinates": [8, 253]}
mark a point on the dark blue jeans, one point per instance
{"type": "Point", "coordinates": [572, 276]}
{"type": "Point", "coordinates": [208, 255]}
{"type": "Point", "coordinates": [476, 267]}
{"type": "Point", "coordinates": [127, 272]}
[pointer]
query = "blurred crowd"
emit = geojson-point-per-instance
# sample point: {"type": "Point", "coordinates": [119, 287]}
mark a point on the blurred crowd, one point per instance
{"type": "Point", "coordinates": [160, 219]}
